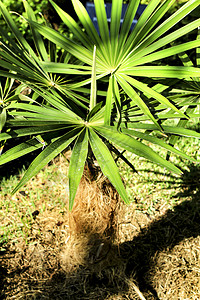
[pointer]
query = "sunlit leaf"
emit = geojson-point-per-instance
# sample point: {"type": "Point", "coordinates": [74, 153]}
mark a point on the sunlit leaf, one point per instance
{"type": "Point", "coordinates": [77, 163]}
{"type": "Point", "coordinates": [107, 164]}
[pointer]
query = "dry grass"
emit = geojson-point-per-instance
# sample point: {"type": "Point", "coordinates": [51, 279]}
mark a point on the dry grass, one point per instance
{"type": "Point", "coordinates": [102, 249]}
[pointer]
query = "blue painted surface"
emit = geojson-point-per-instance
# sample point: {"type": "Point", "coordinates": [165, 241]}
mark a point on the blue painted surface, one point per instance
{"type": "Point", "coordinates": [91, 11]}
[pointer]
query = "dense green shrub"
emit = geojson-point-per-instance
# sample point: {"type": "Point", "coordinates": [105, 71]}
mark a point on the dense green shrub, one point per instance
{"type": "Point", "coordinates": [17, 9]}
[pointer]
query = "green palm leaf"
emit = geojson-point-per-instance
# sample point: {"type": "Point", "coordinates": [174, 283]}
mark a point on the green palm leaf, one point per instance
{"type": "Point", "coordinates": [150, 17]}
{"type": "Point", "coordinates": [156, 141]}
{"type": "Point", "coordinates": [93, 93]}
{"type": "Point", "coordinates": [109, 101]}
{"type": "Point", "coordinates": [170, 22]}
{"type": "Point", "coordinates": [47, 155]}
{"type": "Point", "coordinates": [164, 71]}
{"type": "Point", "coordinates": [136, 99]}
{"type": "Point", "coordinates": [115, 26]}
{"type": "Point", "coordinates": [73, 26]}
{"type": "Point", "coordinates": [144, 49]}
{"type": "Point", "coordinates": [167, 129]}
{"type": "Point", "coordinates": [133, 61]}
{"type": "Point", "coordinates": [151, 93]}
{"type": "Point", "coordinates": [20, 150]}
{"type": "Point", "coordinates": [128, 19]}
{"type": "Point", "coordinates": [78, 51]}
{"type": "Point", "coordinates": [77, 163]}
{"type": "Point", "coordinates": [107, 163]}
{"type": "Point", "coordinates": [36, 36]}
{"type": "Point", "coordinates": [130, 144]}
{"type": "Point", "coordinates": [65, 68]}
{"type": "Point", "coordinates": [45, 112]}
{"type": "Point", "coordinates": [198, 50]}
{"type": "Point", "coordinates": [103, 26]}
{"type": "Point", "coordinates": [86, 21]}
{"type": "Point", "coordinates": [32, 131]}
{"type": "Point", "coordinates": [3, 117]}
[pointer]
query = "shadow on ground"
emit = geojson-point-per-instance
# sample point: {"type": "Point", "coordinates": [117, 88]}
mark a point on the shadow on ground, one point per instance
{"type": "Point", "coordinates": [109, 269]}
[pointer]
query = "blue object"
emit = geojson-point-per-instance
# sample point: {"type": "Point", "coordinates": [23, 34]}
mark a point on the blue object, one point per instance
{"type": "Point", "coordinates": [92, 13]}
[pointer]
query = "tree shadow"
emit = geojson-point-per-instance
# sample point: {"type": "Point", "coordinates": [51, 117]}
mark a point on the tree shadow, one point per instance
{"type": "Point", "coordinates": [108, 268]}
{"type": "Point", "coordinates": [3, 281]}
